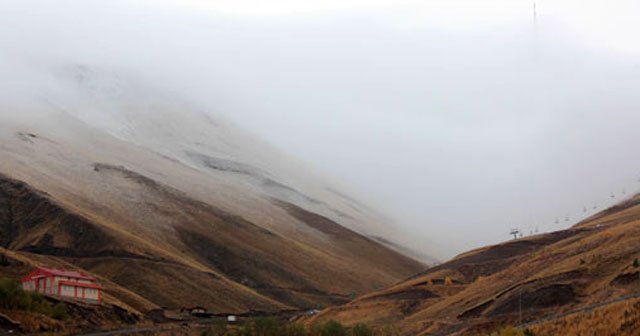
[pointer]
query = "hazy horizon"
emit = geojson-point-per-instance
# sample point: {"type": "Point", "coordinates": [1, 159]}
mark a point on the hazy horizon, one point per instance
{"type": "Point", "coordinates": [459, 120]}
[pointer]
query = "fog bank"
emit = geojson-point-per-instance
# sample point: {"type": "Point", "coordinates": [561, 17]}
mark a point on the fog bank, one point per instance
{"type": "Point", "coordinates": [458, 120]}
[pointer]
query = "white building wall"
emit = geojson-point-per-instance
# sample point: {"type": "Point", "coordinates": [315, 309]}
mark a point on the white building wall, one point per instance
{"type": "Point", "coordinates": [91, 294]}
{"type": "Point", "coordinates": [68, 291]}
{"type": "Point", "coordinates": [29, 285]}
{"type": "Point", "coordinates": [50, 287]}
{"type": "Point", "coordinates": [40, 284]}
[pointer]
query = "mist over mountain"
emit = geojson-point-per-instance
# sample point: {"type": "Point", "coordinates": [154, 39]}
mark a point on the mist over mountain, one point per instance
{"type": "Point", "coordinates": [136, 184]}
{"type": "Point", "coordinates": [444, 117]}
{"type": "Point", "coordinates": [402, 167]}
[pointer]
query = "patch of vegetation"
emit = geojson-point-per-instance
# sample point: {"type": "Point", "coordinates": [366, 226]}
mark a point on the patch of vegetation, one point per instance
{"type": "Point", "coordinates": [13, 297]}
{"type": "Point", "coordinates": [617, 319]}
{"type": "Point", "coordinates": [219, 328]}
{"type": "Point", "coordinates": [271, 326]}
{"type": "Point", "coordinates": [511, 331]}
{"type": "Point", "coordinates": [3, 260]}
{"type": "Point", "coordinates": [267, 326]}
{"type": "Point", "coordinates": [390, 330]}
{"type": "Point", "coordinates": [361, 330]}
{"type": "Point", "coordinates": [59, 312]}
{"type": "Point", "coordinates": [332, 328]}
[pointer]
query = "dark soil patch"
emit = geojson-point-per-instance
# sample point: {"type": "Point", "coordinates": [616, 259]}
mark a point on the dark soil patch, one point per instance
{"type": "Point", "coordinates": [556, 278]}
{"type": "Point", "coordinates": [498, 257]}
{"type": "Point", "coordinates": [230, 166]}
{"type": "Point", "coordinates": [158, 316]}
{"type": "Point", "coordinates": [8, 323]}
{"type": "Point", "coordinates": [26, 137]}
{"type": "Point", "coordinates": [545, 297]}
{"type": "Point", "coordinates": [89, 316]}
{"type": "Point", "coordinates": [475, 311]}
{"type": "Point", "coordinates": [24, 210]}
{"type": "Point", "coordinates": [318, 222]}
{"type": "Point", "coordinates": [409, 307]}
{"type": "Point", "coordinates": [409, 294]}
{"type": "Point", "coordinates": [223, 164]}
{"type": "Point", "coordinates": [250, 269]}
{"type": "Point", "coordinates": [437, 281]}
{"type": "Point", "coordinates": [626, 279]}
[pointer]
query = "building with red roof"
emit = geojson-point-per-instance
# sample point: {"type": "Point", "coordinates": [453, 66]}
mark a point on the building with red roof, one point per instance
{"type": "Point", "coordinates": [64, 284]}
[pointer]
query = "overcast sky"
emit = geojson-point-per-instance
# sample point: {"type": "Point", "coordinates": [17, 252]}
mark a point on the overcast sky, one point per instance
{"type": "Point", "coordinates": [458, 119]}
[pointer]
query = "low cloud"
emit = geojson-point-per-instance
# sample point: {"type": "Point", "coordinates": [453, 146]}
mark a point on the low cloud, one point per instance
{"type": "Point", "coordinates": [459, 128]}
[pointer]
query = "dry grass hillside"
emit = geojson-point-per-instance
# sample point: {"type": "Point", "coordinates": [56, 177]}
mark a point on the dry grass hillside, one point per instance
{"type": "Point", "coordinates": [164, 227]}
{"type": "Point", "coordinates": [520, 280]}
{"type": "Point", "coordinates": [617, 319]}
{"type": "Point", "coordinates": [192, 252]}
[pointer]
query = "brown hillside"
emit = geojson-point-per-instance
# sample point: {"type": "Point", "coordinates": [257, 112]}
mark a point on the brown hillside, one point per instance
{"type": "Point", "coordinates": [546, 275]}
{"type": "Point", "coordinates": [212, 256]}
{"type": "Point", "coordinates": [160, 232]}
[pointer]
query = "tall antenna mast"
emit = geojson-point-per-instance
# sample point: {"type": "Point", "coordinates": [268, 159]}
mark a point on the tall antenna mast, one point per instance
{"type": "Point", "coordinates": [535, 31]}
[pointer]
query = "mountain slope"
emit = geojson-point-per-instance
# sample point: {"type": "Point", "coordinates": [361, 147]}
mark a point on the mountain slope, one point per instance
{"type": "Point", "coordinates": [174, 208]}
{"type": "Point", "coordinates": [520, 280]}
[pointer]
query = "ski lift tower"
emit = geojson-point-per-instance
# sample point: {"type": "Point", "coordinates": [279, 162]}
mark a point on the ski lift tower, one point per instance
{"type": "Point", "coordinates": [515, 233]}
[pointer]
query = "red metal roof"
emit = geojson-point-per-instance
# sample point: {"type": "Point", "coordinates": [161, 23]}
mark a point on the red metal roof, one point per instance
{"type": "Point", "coordinates": [80, 284]}
{"type": "Point", "coordinates": [66, 273]}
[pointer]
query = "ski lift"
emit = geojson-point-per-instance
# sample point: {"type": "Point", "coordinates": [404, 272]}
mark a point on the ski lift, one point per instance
{"type": "Point", "coordinates": [515, 233]}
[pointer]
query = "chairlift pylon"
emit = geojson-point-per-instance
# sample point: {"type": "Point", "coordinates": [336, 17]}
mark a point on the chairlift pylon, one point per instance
{"type": "Point", "coordinates": [515, 232]}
